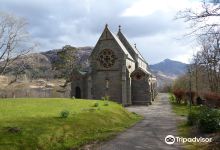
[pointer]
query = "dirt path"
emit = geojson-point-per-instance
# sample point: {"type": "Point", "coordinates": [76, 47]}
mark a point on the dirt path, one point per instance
{"type": "Point", "coordinates": [159, 121]}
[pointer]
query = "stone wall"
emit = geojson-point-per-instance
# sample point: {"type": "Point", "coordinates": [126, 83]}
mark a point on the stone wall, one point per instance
{"type": "Point", "coordinates": [141, 94]}
{"type": "Point", "coordinates": [99, 89]}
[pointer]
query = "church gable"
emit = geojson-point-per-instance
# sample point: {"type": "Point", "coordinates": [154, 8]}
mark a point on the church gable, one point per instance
{"type": "Point", "coordinates": [139, 74]}
{"type": "Point", "coordinates": [108, 41]}
{"type": "Point", "coordinates": [116, 70]}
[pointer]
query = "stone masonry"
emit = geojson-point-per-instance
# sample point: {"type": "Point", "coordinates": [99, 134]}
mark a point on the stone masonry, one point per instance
{"type": "Point", "coordinates": [118, 71]}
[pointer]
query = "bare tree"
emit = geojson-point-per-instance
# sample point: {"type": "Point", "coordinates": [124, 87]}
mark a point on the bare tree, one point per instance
{"type": "Point", "coordinates": [14, 40]}
{"type": "Point", "coordinates": [205, 27]}
{"type": "Point", "coordinates": [207, 62]}
{"type": "Point", "coordinates": [203, 21]}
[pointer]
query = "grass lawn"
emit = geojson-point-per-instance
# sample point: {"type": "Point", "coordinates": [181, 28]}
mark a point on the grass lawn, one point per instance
{"type": "Point", "coordinates": [185, 130]}
{"type": "Point", "coordinates": [38, 125]}
{"type": "Point", "coordinates": [180, 109]}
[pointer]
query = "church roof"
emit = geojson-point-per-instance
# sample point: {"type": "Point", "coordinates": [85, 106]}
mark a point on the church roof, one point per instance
{"type": "Point", "coordinates": [122, 46]}
{"type": "Point", "coordinates": [134, 52]}
{"type": "Point", "coordinates": [145, 70]}
{"type": "Point", "coordinates": [128, 45]}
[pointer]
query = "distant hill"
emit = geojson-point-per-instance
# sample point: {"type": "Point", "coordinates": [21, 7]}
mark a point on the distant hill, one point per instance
{"type": "Point", "coordinates": [40, 65]}
{"type": "Point", "coordinates": [170, 67]}
{"type": "Point", "coordinates": [167, 70]}
{"type": "Point", "coordinates": [83, 54]}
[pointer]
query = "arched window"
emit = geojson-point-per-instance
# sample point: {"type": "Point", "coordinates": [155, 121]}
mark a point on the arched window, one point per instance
{"type": "Point", "coordinates": [77, 92]}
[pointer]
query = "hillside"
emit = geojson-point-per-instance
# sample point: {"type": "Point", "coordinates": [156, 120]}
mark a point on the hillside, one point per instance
{"type": "Point", "coordinates": [40, 65]}
{"type": "Point", "coordinates": [168, 70]}
{"type": "Point", "coordinates": [37, 74]}
{"type": "Point", "coordinates": [82, 53]}
{"type": "Point", "coordinates": [170, 67]}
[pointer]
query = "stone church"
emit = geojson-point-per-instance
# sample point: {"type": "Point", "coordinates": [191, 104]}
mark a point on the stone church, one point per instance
{"type": "Point", "coordinates": [117, 70]}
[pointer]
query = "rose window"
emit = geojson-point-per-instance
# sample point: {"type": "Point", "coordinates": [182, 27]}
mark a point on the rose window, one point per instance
{"type": "Point", "coordinates": [106, 58]}
{"type": "Point", "coordinates": [138, 76]}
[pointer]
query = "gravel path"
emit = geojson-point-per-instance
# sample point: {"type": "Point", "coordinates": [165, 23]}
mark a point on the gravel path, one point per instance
{"type": "Point", "coordinates": [159, 121]}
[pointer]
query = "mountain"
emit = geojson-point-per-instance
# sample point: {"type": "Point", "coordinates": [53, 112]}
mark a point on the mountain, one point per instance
{"type": "Point", "coordinates": [167, 71]}
{"type": "Point", "coordinates": [170, 67]}
{"type": "Point", "coordinates": [83, 54]}
{"type": "Point", "coordinates": [40, 65]}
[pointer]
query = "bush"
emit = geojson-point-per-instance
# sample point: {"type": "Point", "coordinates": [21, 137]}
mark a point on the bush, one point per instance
{"type": "Point", "coordinates": [172, 98]}
{"type": "Point", "coordinates": [64, 114]}
{"type": "Point", "coordinates": [209, 120]}
{"type": "Point", "coordinates": [179, 94]}
{"type": "Point", "coordinates": [193, 117]}
{"type": "Point", "coordinates": [96, 104]}
{"type": "Point", "coordinates": [105, 97]}
{"type": "Point", "coordinates": [106, 103]}
{"type": "Point", "coordinates": [212, 99]}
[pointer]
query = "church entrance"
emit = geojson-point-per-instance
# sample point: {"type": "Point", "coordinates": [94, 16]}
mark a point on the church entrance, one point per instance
{"type": "Point", "coordinates": [77, 92]}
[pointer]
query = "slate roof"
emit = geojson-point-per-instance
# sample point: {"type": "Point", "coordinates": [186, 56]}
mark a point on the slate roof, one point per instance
{"type": "Point", "coordinates": [125, 42]}
{"type": "Point", "coordinates": [133, 50]}
{"type": "Point", "coordinates": [121, 45]}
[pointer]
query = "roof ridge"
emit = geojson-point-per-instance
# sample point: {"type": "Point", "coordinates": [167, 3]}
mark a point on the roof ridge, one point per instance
{"type": "Point", "coordinates": [134, 49]}
{"type": "Point", "coordinates": [121, 45]}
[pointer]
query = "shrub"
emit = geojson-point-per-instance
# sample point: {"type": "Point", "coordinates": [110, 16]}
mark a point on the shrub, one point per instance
{"type": "Point", "coordinates": [212, 99]}
{"type": "Point", "coordinates": [64, 114]}
{"type": "Point", "coordinates": [179, 95]}
{"type": "Point", "coordinates": [96, 104]}
{"type": "Point", "coordinates": [106, 103]}
{"type": "Point", "coordinates": [172, 98]}
{"type": "Point", "coordinates": [105, 97]}
{"type": "Point", "coordinates": [209, 120]}
{"type": "Point", "coordinates": [193, 117]}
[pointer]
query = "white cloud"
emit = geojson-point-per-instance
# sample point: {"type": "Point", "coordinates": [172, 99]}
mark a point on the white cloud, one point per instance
{"type": "Point", "coordinates": [148, 7]}
{"type": "Point", "coordinates": [150, 24]}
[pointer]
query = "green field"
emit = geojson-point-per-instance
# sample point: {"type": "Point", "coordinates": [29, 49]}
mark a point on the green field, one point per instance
{"type": "Point", "coordinates": [36, 123]}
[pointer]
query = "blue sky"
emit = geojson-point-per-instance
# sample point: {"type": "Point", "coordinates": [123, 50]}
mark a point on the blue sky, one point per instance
{"type": "Point", "coordinates": [149, 24]}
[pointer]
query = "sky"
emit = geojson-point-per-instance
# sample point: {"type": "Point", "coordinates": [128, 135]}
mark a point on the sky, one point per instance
{"type": "Point", "coordinates": [148, 23]}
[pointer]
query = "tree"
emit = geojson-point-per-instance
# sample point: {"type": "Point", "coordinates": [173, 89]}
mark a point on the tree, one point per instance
{"type": "Point", "coordinates": [202, 21]}
{"type": "Point", "coordinates": [14, 41]}
{"type": "Point", "coordinates": [209, 59]}
{"type": "Point", "coordinates": [67, 62]}
{"type": "Point", "coordinates": [205, 27]}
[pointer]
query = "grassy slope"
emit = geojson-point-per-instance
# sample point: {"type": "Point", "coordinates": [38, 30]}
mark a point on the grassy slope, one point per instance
{"type": "Point", "coordinates": [42, 128]}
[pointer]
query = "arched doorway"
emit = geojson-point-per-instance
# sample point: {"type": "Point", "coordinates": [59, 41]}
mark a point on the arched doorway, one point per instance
{"type": "Point", "coordinates": [77, 92]}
